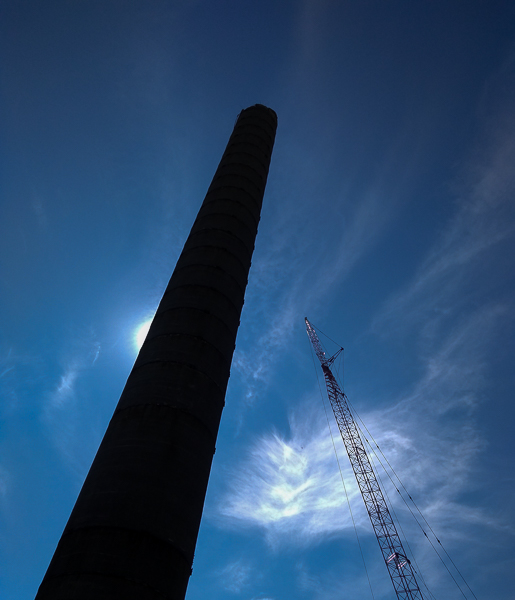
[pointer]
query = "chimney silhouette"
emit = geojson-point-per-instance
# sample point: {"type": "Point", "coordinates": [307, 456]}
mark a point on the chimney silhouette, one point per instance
{"type": "Point", "coordinates": [133, 530]}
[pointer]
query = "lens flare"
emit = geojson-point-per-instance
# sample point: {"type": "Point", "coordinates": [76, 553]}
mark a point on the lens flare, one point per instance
{"type": "Point", "coordinates": [141, 333]}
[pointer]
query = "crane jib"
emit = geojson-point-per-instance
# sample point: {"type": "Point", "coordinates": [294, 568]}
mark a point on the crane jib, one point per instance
{"type": "Point", "coordinates": [398, 565]}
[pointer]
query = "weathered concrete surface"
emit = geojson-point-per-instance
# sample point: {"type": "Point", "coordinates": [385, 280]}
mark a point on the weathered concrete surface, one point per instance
{"type": "Point", "coordinates": [133, 530]}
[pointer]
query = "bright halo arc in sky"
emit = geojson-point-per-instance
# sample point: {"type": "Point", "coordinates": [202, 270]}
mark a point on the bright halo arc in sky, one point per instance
{"type": "Point", "coordinates": [141, 333]}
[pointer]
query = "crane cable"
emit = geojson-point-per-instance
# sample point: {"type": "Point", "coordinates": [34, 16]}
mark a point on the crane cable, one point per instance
{"type": "Point", "coordinates": [341, 476]}
{"type": "Point", "coordinates": [415, 505]}
{"type": "Point", "coordinates": [371, 455]}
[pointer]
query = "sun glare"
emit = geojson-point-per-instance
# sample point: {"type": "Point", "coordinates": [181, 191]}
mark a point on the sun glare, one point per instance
{"type": "Point", "coordinates": [141, 333]}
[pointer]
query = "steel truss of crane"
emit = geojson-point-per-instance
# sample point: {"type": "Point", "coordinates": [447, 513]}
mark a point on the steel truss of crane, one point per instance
{"type": "Point", "coordinates": [399, 567]}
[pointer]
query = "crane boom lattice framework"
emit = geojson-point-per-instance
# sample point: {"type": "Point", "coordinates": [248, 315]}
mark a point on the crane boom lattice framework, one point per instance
{"type": "Point", "coordinates": [398, 565]}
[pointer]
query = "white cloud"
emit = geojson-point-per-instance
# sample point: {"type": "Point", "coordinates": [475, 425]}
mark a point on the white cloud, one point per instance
{"type": "Point", "coordinates": [64, 392]}
{"type": "Point", "coordinates": [306, 581]}
{"type": "Point", "coordinates": [291, 488]}
{"type": "Point", "coordinates": [6, 370]}
{"type": "Point", "coordinates": [60, 412]}
{"type": "Point", "coordinates": [286, 287]}
{"type": "Point", "coordinates": [436, 423]}
{"type": "Point", "coordinates": [63, 406]}
{"type": "Point", "coordinates": [460, 266]}
{"type": "Point", "coordinates": [236, 576]}
{"type": "Point", "coordinates": [456, 312]}
{"type": "Point", "coordinates": [19, 375]}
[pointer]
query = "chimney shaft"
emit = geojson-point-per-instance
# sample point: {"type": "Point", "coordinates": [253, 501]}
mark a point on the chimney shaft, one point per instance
{"type": "Point", "coordinates": [133, 530]}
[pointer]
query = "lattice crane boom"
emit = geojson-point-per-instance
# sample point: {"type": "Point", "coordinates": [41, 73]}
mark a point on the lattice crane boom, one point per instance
{"type": "Point", "coordinates": [399, 567]}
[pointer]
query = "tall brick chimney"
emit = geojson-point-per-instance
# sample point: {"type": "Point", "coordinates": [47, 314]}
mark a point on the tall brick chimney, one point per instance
{"type": "Point", "coordinates": [133, 530]}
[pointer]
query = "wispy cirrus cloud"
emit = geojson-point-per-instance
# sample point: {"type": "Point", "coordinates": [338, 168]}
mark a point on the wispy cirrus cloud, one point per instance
{"type": "Point", "coordinates": [290, 487]}
{"type": "Point", "coordinates": [470, 259]}
{"type": "Point", "coordinates": [61, 409]}
{"type": "Point", "coordinates": [60, 412]}
{"type": "Point", "coordinates": [64, 392]}
{"type": "Point", "coordinates": [454, 307]}
{"type": "Point", "coordinates": [287, 284]}
{"type": "Point", "coordinates": [432, 435]}
{"type": "Point", "coordinates": [236, 575]}
{"type": "Point", "coordinates": [20, 374]}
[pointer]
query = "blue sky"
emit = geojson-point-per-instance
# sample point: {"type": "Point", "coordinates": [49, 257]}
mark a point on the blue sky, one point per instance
{"type": "Point", "coordinates": [389, 221]}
